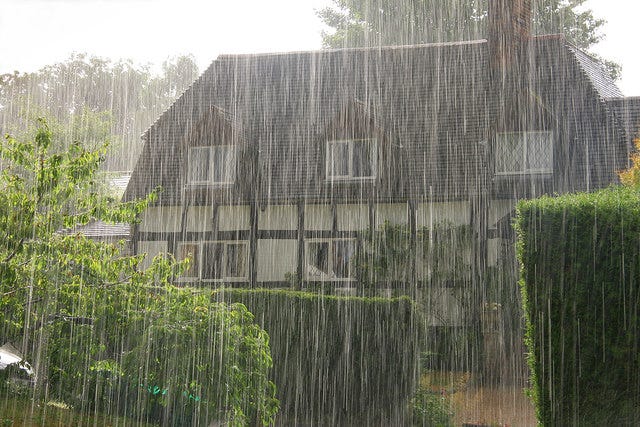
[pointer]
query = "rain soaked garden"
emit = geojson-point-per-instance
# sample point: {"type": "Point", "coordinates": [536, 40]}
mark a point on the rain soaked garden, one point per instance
{"type": "Point", "coordinates": [439, 227]}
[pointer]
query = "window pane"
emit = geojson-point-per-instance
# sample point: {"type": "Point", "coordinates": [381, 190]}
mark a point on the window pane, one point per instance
{"type": "Point", "coordinates": [338, 158]}
{"type": "Point", "coordinates": [318, 259]}
{"type": "Point", "coordinates": [230, 167]}
{"type": "Point", "coordinates": [363, 158]}
{"type": "Point", "coordinates": [212, 260]}
{"type": "Point", "coordinates": [343, 250]}
{"type": "Point", "coordinates": [509, 153]}
{"type": "Point", "coordinates": [539, 152]}
{"type": "Point", "coordinates": [198, 164]}
{"type": "Point", "coordinates": [190, 250]}
{"type": "Point", "coordinates": [236, 260]}
{"type": "Point", "coordinates": [223, 163]}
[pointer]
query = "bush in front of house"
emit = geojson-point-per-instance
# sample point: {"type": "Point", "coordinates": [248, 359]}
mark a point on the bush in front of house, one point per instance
{"type": "Point", "coordinates": [338, 360]}
{"type": "Point", "coordinates": [429, 408]}
{"type": "Point", "coordinates": [580, 257]}
{"type": "Point", "coordinates": [165, 355]}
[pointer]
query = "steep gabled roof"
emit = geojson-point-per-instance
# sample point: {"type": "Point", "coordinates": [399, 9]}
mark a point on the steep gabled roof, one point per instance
{"type": "Point", "coordinates": [434, 100]}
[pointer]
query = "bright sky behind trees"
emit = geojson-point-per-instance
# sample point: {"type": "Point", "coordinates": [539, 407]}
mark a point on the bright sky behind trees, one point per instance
{"type": "Point", "coordinates": [34, 33]}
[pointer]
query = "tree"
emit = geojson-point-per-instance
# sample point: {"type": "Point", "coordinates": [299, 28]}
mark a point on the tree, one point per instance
{"type": "Point", "coordinates": [102, 334]}
{"type": "Point", "coordinates": [631, 176]}
{"type": "Point", "coordinates": [130, 94]}
{"type": "Point", "coordinates": [357, 23]}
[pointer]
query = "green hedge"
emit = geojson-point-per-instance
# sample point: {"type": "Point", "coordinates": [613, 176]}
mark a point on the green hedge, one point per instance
{"type": "Point", "coordinates": [337, 359]}
{"type": "Point", "coordinates": [164, 355]}
{"type": "Point", "coordinates": [580, 258]}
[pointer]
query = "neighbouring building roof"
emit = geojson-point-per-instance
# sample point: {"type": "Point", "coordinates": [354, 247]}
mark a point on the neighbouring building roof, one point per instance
{"type": "Point", "coordinates": [100, 230]}
{"type": "Point", "coordinates": [432, 102]}
{"type": "Point", "coordinates": [597, 75]}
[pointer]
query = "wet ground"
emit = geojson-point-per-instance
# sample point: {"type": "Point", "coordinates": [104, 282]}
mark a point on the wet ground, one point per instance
{"type": "Point", "coordinates": [504, 406]}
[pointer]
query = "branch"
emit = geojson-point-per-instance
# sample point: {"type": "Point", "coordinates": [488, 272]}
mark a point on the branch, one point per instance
{"type": "Point", "coordinates": [15, 251]}
{"type": "Point", "coordinates": [78, 320]}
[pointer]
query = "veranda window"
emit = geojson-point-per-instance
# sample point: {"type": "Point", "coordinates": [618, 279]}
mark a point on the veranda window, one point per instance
{"type": "Point", "coordinates": [216, 260]}
{"type": "Point", "coordinates": [329, 259]}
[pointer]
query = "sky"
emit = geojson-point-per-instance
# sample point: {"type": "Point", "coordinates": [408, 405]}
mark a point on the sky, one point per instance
{"type": "Point", "coordinates": [34, 33]}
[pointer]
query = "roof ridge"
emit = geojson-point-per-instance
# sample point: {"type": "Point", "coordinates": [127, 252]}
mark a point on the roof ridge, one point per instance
{"type": "Point", "coordinates": [227, 56]}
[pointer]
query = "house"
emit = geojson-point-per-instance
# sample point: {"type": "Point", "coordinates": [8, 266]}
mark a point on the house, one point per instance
{"type": "Point", "coordinates": [272, 165]}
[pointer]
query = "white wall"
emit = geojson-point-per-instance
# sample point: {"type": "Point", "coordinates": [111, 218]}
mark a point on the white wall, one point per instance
{"type": "Point", "coordinates": [352, 217]}
{"type": "Point", "coordinates": [231, 218]}
{"type": "Point", "coordinates": [151, 248]}
{"type": "Point", "coordinates": [396, 213]}
{"type": "Point", "coordinates": [276, 258]}
{"type": "Point", "coordinates": [498, 209]}
{"type": "Point", "coordinates": [161, 218]}
{"type": "Point", "coordinates": [429, 214]}
{"type": "Point", "coordinates": [199, 218]}
{"type": "Point", "coordinates": [317, 217]}
{"type": "Point", "coordinates": [278, 218]}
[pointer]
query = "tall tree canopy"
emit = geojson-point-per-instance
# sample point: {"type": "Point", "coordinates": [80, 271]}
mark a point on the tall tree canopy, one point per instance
{"type": "Point", "coordinates": [128, 96]}
{"type": "Point", "coordinates": [359, 23]}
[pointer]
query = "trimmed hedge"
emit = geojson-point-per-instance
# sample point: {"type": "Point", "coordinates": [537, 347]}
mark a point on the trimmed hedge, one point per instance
{"type": "Point", "coordinates": [338, 360]}
{"type": "Point", "coordinates": [580, 257]}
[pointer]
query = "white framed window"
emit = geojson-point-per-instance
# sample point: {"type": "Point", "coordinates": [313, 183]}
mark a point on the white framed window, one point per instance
{"type": "Point", "coordinates": [215, 260]}
{"type": "Point", "coordinates": [212, 164]}
{"type": "Point", "coordinates": [524, 153]}
{"type": "Point", "coordinates": [329, 259]}
{"type": "Point", "coordinates": [192, 251]}
{"type": "Point", "coordinates": [351, 159]}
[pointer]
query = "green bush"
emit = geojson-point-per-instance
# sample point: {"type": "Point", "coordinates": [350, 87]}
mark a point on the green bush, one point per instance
{"type": "Point", "coordinates": [337, 360]}
{"type": "Point", "coordinates": [173, 357]}
{"type": "Point", "coordinates": [430, 408]}
{"type": "Point", "coordinates": [580, 257]}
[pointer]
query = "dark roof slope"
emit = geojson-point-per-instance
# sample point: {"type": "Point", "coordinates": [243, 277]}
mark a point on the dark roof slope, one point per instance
{"type": "Point", "coordinates": [433, 103]}
{"type": "Point", "coordinates": [597, 74]}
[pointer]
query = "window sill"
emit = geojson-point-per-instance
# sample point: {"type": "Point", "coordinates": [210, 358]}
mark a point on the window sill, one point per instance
{"type": "Point", "coordinates": [508, 175]}
{"type": "Point", "coordinates": [330, 279]}
{"type": "Point", "coordinates": [348, 180]}
{"type": "Point", "coordinates": [199, 185]}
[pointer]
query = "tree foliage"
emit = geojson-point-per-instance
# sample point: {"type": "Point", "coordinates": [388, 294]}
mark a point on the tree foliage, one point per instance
{"type": "Point", "coordinates": [359, 23]}
{"type": "Point", "coordinates": [631, 176]}
{"type": "Point", "coordinates": [440, 254]}
{"type": "Point", "coordinates": [103, 335]}
{"type": "Point", "coordinates": [130, 96]}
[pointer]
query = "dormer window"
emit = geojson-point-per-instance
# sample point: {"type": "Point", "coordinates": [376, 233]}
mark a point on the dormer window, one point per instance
{"type": "Point", "coordinates": [212, 164]}
{"type": "Point", "coordinates": [351, 159]}
{"type": "Point", "coordinates": [524, 153]}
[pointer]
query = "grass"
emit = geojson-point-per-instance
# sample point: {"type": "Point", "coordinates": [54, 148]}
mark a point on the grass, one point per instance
{"type": "Point", "coordinates": [23, 411]}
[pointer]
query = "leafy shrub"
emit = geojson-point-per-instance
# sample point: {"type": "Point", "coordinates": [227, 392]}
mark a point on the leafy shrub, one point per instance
{"type": "Point", "coordinates": [173, 357]}
{"type": "Point", "coordinates": [337, 360]}
{"type": "Point", "coordinates": [387, 253]}
{"type": "Point", "coordinates": [431, 409]}
{"type": "Point", "coordinates": [580, 258]}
